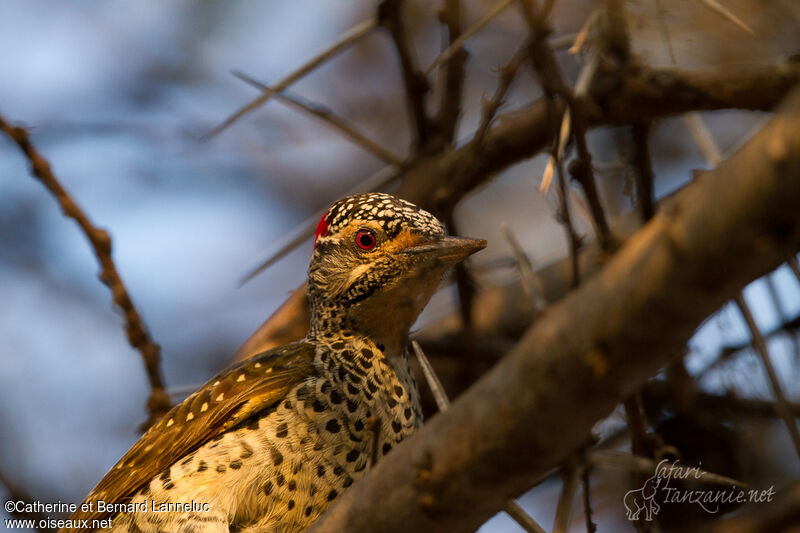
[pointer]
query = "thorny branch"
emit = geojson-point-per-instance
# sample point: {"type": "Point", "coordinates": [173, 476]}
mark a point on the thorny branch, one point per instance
{"type": "Point", "coordinates": [621, 97]}
{"type": "Point", "coordinates": [666, 264]}
{"type": "Point", "coordinates": [350, 37]}
{"type": "Point", "coordinates": [552, 80]}
{"type": "Point", "coordinates": [138, 335]}
{"type": "Point", "coordinates": [489, 108]}
{"type": "Point", "coordinates": [456, 45]}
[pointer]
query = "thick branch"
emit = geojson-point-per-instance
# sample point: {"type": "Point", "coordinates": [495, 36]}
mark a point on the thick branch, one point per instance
{"type": "Point", "coordinates": [538, 404]}
{"type": "Point", "coordinates": [138, 335]}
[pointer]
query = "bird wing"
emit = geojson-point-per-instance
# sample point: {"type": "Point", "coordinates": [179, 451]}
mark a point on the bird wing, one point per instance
{"type": "Point", "coordinates": [226, 400]}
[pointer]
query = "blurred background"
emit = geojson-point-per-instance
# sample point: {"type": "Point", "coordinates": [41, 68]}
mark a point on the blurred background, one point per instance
{"type": "Point", "coordinates": [118, 95]}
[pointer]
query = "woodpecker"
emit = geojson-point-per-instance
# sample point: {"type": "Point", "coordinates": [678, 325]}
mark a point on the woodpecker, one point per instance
{"type": "Point", "coordinates": [268, 444]}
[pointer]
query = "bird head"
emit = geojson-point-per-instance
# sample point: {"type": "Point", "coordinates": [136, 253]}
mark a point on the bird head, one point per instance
{"type": "Point", "coordinates": [377, 261]}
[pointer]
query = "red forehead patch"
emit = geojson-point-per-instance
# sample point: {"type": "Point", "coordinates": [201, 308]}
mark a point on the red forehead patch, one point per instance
{"type": "Point", "coordinates": [322, 228]}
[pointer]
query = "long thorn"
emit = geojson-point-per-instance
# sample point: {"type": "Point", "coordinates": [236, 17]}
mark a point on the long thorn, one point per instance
{"type": "Point", "coordinates": [469, 32]}
{"type": "Point", "coordinates": [568, 490]}
{"type": "Point", "coordinates": [328, 117]}
{"type": "Point", "coordinates": [439, 394]}
{"type": "Point", "coordinates": [513, 509]}
{"type": "Point", "coordinates": [583, 33]}
{"type": "Point", "coordinates": [349, 37]}
{"type": "Point", "coordinates": [522, 517]}
{"type": "Point", "coordinates": [724, 12]}
{"type": "Point", "coordinates": [703, 139]}
{"type": "Point", "coordinates": [532, 285]}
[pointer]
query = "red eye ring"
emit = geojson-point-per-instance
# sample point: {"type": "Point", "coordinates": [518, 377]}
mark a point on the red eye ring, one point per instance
{"type": "Point", "coordinates": [366, 240]}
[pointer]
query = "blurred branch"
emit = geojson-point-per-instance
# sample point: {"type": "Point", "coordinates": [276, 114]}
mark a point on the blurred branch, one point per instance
{"type": "Point", "coordinates": [717, 404]}
{"type": "Point", "coordinates": [532, 286]}
{"type": "Point", "coordinates": [781, 406]}
{"type": "Point", "coordinates": [351, 36]}
{"type": "Point", "coordinates": [390, 16]}
{"type": "Point", "coordinates": [138, 335]}
{"type": "Point", "coordinates": [643, 170]}
{"type": "Point", "coordinates": [615, 30]}
{"type": "Point", "coordinates": [565, 218]}
{"type": "Point", "coordinates": [464, 465]}
{"type": "Point", "coordinates": [457, 44]}
{"type": "Point", "coordinates": [591, 527]}
{"type": "Point", "coordinates": [790, 327]}
{"type": "Point", "coordinates": [330, 118]}
{"type": "Point", "coordinates": [489, 108]}
{"type": "Point", "coordinates": [452, 75]}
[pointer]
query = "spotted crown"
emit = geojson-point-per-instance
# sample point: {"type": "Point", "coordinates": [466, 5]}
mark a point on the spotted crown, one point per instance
{"type": "Point", "coordinates": [392, 213]}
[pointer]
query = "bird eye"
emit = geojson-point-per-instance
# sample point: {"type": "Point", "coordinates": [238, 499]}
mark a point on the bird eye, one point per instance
{"type": "Point", "coordinates": [365, 239]}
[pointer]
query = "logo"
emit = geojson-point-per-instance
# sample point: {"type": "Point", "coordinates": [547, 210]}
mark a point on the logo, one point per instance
{"type": "Point", "coordinates": [657, 489]}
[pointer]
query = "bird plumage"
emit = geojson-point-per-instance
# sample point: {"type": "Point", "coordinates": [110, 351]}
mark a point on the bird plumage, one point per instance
{"type": "Point", "coordinates": [268, 444]}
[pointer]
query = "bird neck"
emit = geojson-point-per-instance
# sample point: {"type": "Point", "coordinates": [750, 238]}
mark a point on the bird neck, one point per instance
{"type": "Point", "coordinates": [331, 322]}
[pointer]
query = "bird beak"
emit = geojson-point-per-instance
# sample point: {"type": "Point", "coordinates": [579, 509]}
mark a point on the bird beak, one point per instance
{"type": "Point", "coordinates": [447, 249]}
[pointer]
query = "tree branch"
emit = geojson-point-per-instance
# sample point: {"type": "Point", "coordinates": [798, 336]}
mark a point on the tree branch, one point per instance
{"type": "Point", "coordinates": [538, 404]}
{"type": "Point", "coordinates": [452, 75]}
{"type": "Point", "coordinates": [390, 16]}
{"type": "Point", "coordinates": [438, 182]}
{"type": "Point", "coordinates": [643, 170]}
{"type": "Point", "coordinates": [328, 117]}
{"type": "Point", "coordinates": [351, 36]}
{"type": "Point", "coordinates": [138, 335]}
